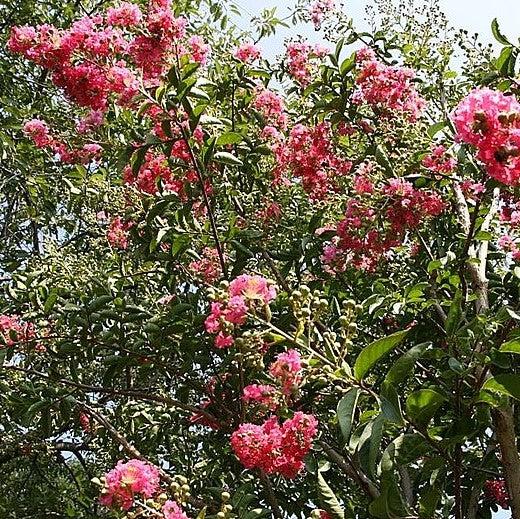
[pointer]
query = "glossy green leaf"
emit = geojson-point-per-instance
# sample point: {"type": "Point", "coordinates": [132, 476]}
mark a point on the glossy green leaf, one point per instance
{"type": "Point", "coordinates": [372, 353]}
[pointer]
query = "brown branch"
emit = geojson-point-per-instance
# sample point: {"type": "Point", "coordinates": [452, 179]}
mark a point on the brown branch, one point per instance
{"type": "Point", "coordinates": [212, 221]}
{"type": "Point", "coordinates": [271, 498]}
{"type": "Point", "coordinates": [141, 394]}
{"type": "Point", "coordinates": [347, 466]}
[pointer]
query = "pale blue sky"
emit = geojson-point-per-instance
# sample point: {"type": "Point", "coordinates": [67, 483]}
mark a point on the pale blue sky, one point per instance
{"type": "Point", "coordinates": [473, 15]}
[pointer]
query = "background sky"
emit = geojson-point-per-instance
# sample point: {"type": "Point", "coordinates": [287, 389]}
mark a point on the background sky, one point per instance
{"type": "Point", "coordinates": [473, 15]}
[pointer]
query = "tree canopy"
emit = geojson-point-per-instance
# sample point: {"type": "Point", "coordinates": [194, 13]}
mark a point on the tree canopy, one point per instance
{"type": "Point", "coordinates": [235, 287]}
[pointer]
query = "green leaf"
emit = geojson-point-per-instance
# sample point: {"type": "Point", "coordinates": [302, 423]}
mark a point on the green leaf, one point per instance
{"type": "Point", "coordinates": [506, 384]}
{"type": "Point", "coordinates": [227, 158]}
{"type": "Point", "coordinates": [455, 314]}
{"type": "Point", "coordinates": [229, 138]}
{"type": "Point", "coordinates": [375, 351]}
{"type": "Point", "coordinates": [512, 346]}
{"type": "Point", "coordinates": [436, 128]}
{"type": "Point", "coordinates": [50, 302]}
{"type": "Point", "coordinates": [422, 405]}
{"type": "Point", "coordinates": [405, 449]}
{"type": "Point", "coordinates": [345, 411]}
{"type": "Point", "coordinates": [404, 364]}
{"type": "Point", "coordinates": [329, 499]}
{"type": "Point", "coordinates": [497, 34]}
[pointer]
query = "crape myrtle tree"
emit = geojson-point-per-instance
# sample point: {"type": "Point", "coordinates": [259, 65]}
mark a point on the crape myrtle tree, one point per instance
{"type": "Point", "coordinates": [241, 288]}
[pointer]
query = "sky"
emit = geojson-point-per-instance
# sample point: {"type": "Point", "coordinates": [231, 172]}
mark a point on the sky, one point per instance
{"type": "Point", "coordinates": [473, 15]}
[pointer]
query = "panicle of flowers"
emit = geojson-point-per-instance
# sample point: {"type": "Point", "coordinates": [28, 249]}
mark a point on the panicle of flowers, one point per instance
{"type": "Point", "coordinates": [38, 131]}
{"type": "Point", "coordinates": [92, 120]}
{"type": "Point", "coordinates": [273, 448]}
{"type": "Point", "coordinates": [118, 233]}
{"type": "Point", "coordinates": [440, 161]}
{"type": "Point", "coordinates": [247, 52]}
{"type": "Point", "coordinates": [199, 50]}
{"type": "Point", "coordinates": [101, 57]}
{"type": "Point", "coordinates": [271, 106]}
{"type": "Point", "coordinates": [286, 370]}
{"type": "Point", "coordinates": [490, 121]}
{"type": "Point", "coordinates": [244, 294]}
{"type": "Point", "coordinates": [125, 14]}
{"type": "Point", "coordinates": [303, 60]}
{"type": "Point", "coordinates": [496, 490]}
{"type": "Point", "coordinates": [508, 244]}
{"type": "Point", "coordinates": [262, 394]}
{"type": "Point", "coordinates": [374, 226]}
{"type": "Point", "coordinates": [13, 330]}
{"type": "Point", "coordinates": [171, 510]}
{"type": "Point", "coordinates": [128, 480]}
{"type": "Point", "coordinates": [309, 153]}
{"type": "Point", "coordinates": [155, 172]}
{"type": "Point", "coordinates": [318, 10]}
{"type": "Point", "coordinates": [208, 266]}
{"type": "Point", "coordinates": [387, 88]}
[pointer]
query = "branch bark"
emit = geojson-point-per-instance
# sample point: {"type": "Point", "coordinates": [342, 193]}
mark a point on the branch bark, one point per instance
{"type": "Point", "coordinates": [367, 485]}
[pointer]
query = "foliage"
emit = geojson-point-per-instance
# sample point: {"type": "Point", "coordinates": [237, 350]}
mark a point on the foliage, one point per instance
{"type": "Point", "coordinates": [202, 255]}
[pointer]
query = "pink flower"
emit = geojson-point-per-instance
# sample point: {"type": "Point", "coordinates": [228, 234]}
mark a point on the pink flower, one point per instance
{"type": "Point", "coordinates": [439, 161]}
{"type": "Point", "coordinates": [199, 50]}
{"type": "Point", "coordinates": [247, 52]}
{"type": "Point", "coordinates": [39, 132]}
{"type": "Point", "coordinates": [271, 106]}
{"type": "Point", "coordinates": [490, 121]}
{"type": "Point", "coordinates": [13, 330]}
{"type": "Point", "coordinates": [224, 341]}
{"type": "Point", "coordinates": [318, 10]}
{"type": "Point", "coordinates": [252, 288]}
{"type": "Point", "coordinates": [92, 120]}
{"type": "Point", "coordinates": [125, 14]}
{"type": "Point", "coordinates": [128, 479]}
{"type": "Point", "coordinates": [262, 394]}
{"type": "Point", "coordinates": [286, 369]}
{"type": "Point", "coordinates": [172, 510]}
{"type": "Point", "coordinates": [208, 267]}
{"type": "Point", "coordinates": [118, 233]}
{"type": "Point", "coordinates": [388, 88]}
{"type": "Point", "coordinates": [311, 154]}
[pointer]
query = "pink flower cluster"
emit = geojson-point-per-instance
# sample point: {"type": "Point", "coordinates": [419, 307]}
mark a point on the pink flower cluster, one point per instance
{"type": "Point", "coordinates": [155, 171]}
{"type": "Point", "coordinates": [207, 267]}
{"type": "Point", "coordinates": [490, 121]}
{"type": "Point", "coordinates": [508, 244]}
{"type": "Point", "coordinates": [439, 161]}
{"type": "Point", "coordinates": [373, 226]}
{"type": "Point", "coordinates": [118, 234]}
{"type": "Point", "coordinates": [318, 10]}
{"type": "Point", "coordinates": [247, 52]}
{"type": "Point", "coordinates": [262, 394]}
{"type": "Point", "coordinates": [13, 330]}
{"type": "Point", "coordinates": [127, 480]}
{"type": "Point", "coordinates": [496, 490]}
{"type": "Point", "coordinates": [99, 57]}
{"type": "Point", "coordinates": [302, 61]}
{"type": "Point", "coordinates": [245, 293]}
{"type": "Point", "coordinates": [286, 369]}
{"type": "Point", "coordinates": [39, 132]}
{"type": "Point", "coordinates": [387, 88]}
{"type": "Point", "coordinates": [171, 510]}
{"type": "Point", "coordinates": [271, 106]}
{"type": "Point", "coordinates": [125, 14]}
{"type": "Point", "coordinates": [273, 448]}
{"type": "Point", "coordinates": [310, 154]}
